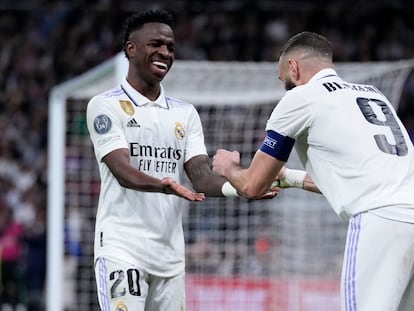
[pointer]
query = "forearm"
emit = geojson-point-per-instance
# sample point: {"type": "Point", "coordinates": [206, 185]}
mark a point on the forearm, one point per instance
{"type": "Point", "coordinates": [203, 178]}
{"type": "Point", "coordinates": [253, 182]}
{"type": "Point", "coordinates": [309, 185]}
{"type": "Point", "coordinates": [130, 177]}
{"type": "Point", "coordinates": [210, 184]}
{"type": "Point", "coordinates": [290, 178]}
{"type": "Point", "coordinates": [137, 180]}
{"type": "Point", "coordinates": [236, 176]}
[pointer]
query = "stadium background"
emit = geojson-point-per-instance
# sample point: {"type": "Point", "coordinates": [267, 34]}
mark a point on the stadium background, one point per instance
{"type": "Point", "coordinates": [43, 43]}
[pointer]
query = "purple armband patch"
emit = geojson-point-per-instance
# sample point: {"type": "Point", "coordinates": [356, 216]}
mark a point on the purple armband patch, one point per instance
{"type": "Point", "coordinates": [277, 145]}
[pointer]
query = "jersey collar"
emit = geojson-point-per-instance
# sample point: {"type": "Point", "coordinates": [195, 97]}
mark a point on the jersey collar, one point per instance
{"type": "Point", "coordinates": [140, 100]}
{"type": "Point", "coordinates": [328, 72]}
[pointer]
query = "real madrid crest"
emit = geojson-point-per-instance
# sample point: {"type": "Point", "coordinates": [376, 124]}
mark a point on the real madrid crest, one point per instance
{"type": "Point", "coordinates": [127, 107]}
{"type": "Point", "coordinates": [120, 306]}
{"type": "Point", "coordinates": [179, 130]}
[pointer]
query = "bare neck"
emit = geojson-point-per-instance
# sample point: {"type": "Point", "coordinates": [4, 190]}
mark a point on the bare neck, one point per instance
{"type": "Point", "coordinates": [147, 89]}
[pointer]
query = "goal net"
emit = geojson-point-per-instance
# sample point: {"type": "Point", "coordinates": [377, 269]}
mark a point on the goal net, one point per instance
{"type": "Point", "coordinates": [279, 254]}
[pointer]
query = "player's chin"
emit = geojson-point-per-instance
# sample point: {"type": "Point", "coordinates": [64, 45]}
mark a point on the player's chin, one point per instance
{"type": "Point", "coordinates": [159, 73]}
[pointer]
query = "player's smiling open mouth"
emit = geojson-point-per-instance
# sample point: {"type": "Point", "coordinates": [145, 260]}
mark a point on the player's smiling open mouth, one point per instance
{"type": "Point", "coordinates": [160, 65]}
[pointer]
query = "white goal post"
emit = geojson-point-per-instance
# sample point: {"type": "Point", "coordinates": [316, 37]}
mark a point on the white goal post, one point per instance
{"type": "Point", "coordinates": [234, 100]}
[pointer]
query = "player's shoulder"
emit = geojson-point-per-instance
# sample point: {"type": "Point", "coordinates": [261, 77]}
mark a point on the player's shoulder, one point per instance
{"type": "Point", "coordinates": [298, 94]}
{"type": "Point", "coordinates": [105, 101]}
{"type": "Point", "coordinates": [108, 95]}
{"type": "Point", "coordinates": [302, 97]}
{"type": "Point", "coordinates": [175, 102]}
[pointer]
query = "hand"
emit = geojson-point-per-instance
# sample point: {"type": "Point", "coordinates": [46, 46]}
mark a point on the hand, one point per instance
{"type": "Point", "coordinates": [173, 188]}
{"type": "Point", "coordinates": [274, 191]}
{"type": "Point", "coordinates": [223, 160]}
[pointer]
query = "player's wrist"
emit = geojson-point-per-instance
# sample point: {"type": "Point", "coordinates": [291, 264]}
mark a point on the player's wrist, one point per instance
{"type": "Point", "coordinates": [228, 190]}
{"type": "Point", "coordinates": [292, 179]}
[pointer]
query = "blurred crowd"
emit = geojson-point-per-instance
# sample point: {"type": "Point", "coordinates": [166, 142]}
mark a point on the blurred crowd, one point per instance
{"type": "Point", "coordinates": [46, 42]}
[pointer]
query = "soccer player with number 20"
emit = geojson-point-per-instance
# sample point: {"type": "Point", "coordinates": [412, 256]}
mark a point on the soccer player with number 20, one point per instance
{"type": "Point", "coordinates": [146, 143]}
{"type": "Point", "coordinates": [358, 154]}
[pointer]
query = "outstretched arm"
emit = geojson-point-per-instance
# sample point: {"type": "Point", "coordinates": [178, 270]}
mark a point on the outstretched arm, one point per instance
{"type": "Point", "coordinates": [252, 182]}
{"type": "Point", "coordinates": [205, 180]}
{"type": "Point", "coordinates": [132, 178]}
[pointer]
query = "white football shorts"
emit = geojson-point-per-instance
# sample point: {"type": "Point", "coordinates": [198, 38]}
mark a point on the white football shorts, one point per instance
{"type": "Point", "coordinates": [378, 266]}
{"type": "Point", "coordinates": [125, 287]}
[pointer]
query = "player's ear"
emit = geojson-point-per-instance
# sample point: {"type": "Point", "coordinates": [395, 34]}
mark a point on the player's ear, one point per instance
{"type": "Point", "coordinates": [294, 69]}
{"type": "Point", "coordinates": [130, 48]}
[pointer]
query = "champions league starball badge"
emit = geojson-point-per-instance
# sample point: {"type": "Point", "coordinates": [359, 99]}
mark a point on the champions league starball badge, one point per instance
{"type": "Point", "coordinates": [102, 124]}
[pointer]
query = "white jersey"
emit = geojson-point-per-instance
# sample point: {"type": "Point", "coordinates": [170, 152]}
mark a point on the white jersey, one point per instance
{"type": "Point", "coordinates": [143, 228]}
{"type": "Point", "coordinates": [351, 143]}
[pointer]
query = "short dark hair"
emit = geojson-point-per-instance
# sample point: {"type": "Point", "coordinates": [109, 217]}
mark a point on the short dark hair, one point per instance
{"type": "Point", "coordinates": [309, 41]}
{"type": "Point", "coordinates": [137, 20]}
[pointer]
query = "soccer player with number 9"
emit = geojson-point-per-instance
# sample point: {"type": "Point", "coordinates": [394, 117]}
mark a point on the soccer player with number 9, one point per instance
{"type": "Point", "coordinates": [358, 154]}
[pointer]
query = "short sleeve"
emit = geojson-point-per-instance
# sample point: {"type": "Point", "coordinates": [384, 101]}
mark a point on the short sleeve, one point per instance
{"type": "Point", "coordinates": [195, 141]}
{"type": "Point", "coordinates": [291, 116]}
{"type": "Point", "coordinates": [104, 126]}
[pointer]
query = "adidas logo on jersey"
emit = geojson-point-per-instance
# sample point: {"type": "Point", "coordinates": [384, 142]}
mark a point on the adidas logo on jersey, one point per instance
{"type": "Point", "coordinates": [133, 123]}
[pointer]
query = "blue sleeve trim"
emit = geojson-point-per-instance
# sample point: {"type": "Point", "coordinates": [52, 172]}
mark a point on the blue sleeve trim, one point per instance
{"type": "Point", "coordinates": [277, 145]}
